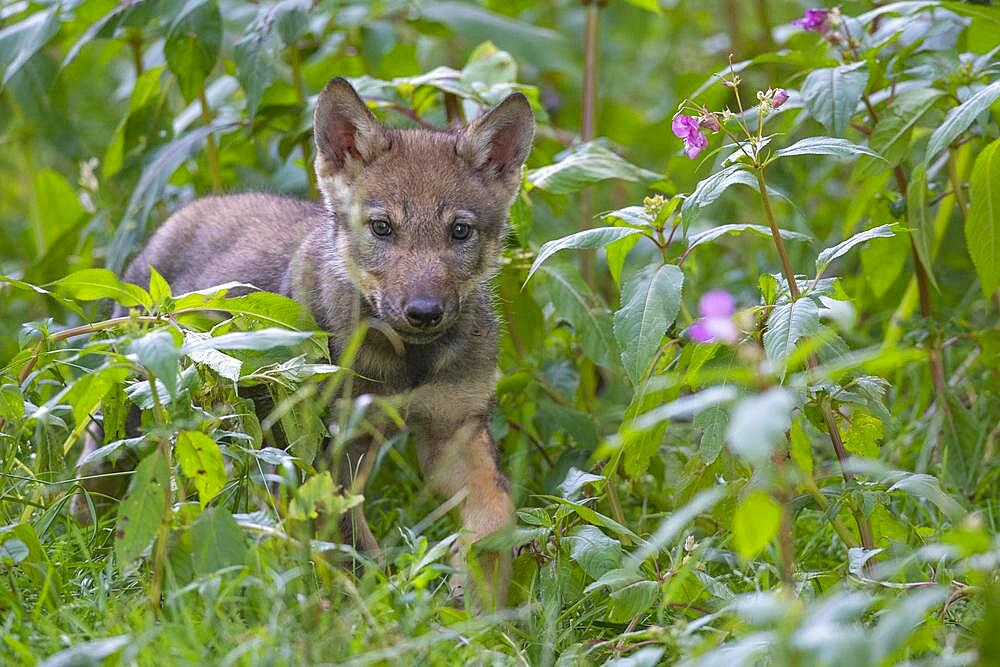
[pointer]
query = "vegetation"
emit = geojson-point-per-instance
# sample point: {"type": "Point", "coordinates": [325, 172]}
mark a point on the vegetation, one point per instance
{"type": "Point", "coordinates": [748, 396]}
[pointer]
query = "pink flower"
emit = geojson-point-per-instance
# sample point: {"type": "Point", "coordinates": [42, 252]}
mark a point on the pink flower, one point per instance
{"type": "Point", "coordinates": [709, 122]}
{"type": "Point", "coordinates": [687, 128]}
{"type": "Point", "coordinates": [716, 323]}
{"type": "Point", "coordinates": [813, 21]}
{"type": "Point", "coordinates": [780, 97]}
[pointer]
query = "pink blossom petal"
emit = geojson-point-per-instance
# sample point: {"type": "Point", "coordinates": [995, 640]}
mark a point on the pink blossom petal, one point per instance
{"type": "Point", "coordinates": [717, 303]}
{"type": "Point", "coordinates": [683, 126]}
{"type": "Point", "coordinates": [721, 329]}
{"type": "Point", "coordinates": [699, 332]}
{"type": "Point", "coordinates": [780, 97]}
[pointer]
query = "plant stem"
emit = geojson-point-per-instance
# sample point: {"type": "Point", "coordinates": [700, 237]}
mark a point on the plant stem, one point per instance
{"type": "Point", "coordinates": [591, 37]}
{"type": "Point", "coordinates": [864, 527]}
{"type": "Point", "coordinates": [300, 93]}
{"type": "Point", "coordinates": [211, 150]}
{"type": "Point", "coordinates": [956, 184]}
{"type": "Point", "coordinates": [166, 520]}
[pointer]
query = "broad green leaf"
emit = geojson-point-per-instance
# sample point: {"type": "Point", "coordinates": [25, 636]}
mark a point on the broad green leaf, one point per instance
{"type": "Point", "coordinates": [982, 227]}
{"type": "Point", "coordinates": [628, 602]}
{"type": "Point", "coordinates": [93, 284]}
{"type": "Point", "coordinates": [260, 339]}
{"type": "Point", "coordinates": [12, 551]}
{"type": "Point", "coordinates": [832, 95]}
{"type": "Point", "coordinates": [55, 208]}
{"type": "Point", "coordinates": [312, 497]}
{"type": "Point", "coordinates": [201, 461]}
{"type": "Point", "coordinates": [574, 302]}
{"type": "Point", "coordinates": [826, 146]}
{"type": "Point", "coordinates": [650, 301]}
{"type": "Point", "coordinates": [960, 118]}
{"type": "Point", "coordinates": [11, 402]}
{"type": "Point", "coordinates": [927, 487]}
{"type": "Point", "coordinates": [594, 551]}
{"type": "Point", "coordinates": [896, 626]}
{"type": "Point", "coordinates": [158, 354]}
{"type": "Point", "coordinates": [758, 423]}
{"type": "Point", "coordinates": [801, 449]}
{"type": "Point", "coordinates": [711, 188]}
{"type": "Point", "coordinates": [265, 307]}
{"type": "Point", "coordinates": [193, 43]}
{"type": "Point", "coordinates": [883, 262]}
{"type": "Point", "coordinates": [104, 27]}
{"type": "Point", "coordinates": [218, 541]}
{"type": "Point", "coordinates": [585, 165]}
{"type": "Point", "coordinates": [687, 406]}
{"type": "Point", "coordinates": [919, 219]}
{"type": "Point", "coordinates": [713, 432]}
{"type": "Point", "coordinates": [596, 518]}
{"type": "Point", "coordinates": [588, 238]}
{"type": "Point", "coordinates": [254, 57]}
{"type": "Point", "coordinates": [223, 364]}
{"type": "Point", "coordinates": [22, 40]}
{"type": "Point", "coordinates": [862, 435]}
{"type": "Point", "coordinates": [615, 254]}
{"type": "Point", "coordinates": [827, 255]}
{"type": "Point", "coordinates": [90, 389]}
{"type": "Point", "coordinates": [786, 324]}
{"type": "Point", "coordinates": [755, 523]}
{"type": "Point", "coordinates": [891, 136]}
{"type": "Point", "coordinates": [648, 5]}
{"type": "Point", "coordinates": [633, 216]}
{"type": "Point", "coordinates": [159, 288]}
{"type": "Point", "coordinates": [140, 514]}
{"type": "Point", "coordinates": [715, 232]}
{"type": "Point", "coordinates": [649, 656]}
{"type": "Point", "coordinates": [93, 652]}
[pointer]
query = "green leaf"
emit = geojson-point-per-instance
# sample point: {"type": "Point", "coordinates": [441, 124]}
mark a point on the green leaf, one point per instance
{"type": "Point", "coordinates": [588, 238]}
{"type": "Point", "coordinates": [628, 602]}
{"type": "Point", "coordinates": [826, 146]}
{"type": "Point", "coordinates": [140, 514]}
{"type": "Point", "coordinates": [314, 496]}
{"type": "Point", "coordinates": [192, 45]}
{"type": "Point", "coordinates": [159, 288]}
{"type": "Point", "coordinates": [832, 95]}
{"type": "Point", "coordinates": [585, 165]}
{"type": "Point", "coordinates": [260, 339]}
{"type": "Point", "coordinates": [55, 208]}
{"type": "Point", "coordinates": [594, 551]}
{"type": "Point", "coordinates": [158, 354]}
{"type": "Point", "coordinates": [573, 300]}
{"type": "Point", "coordinates": [960, 118]}
{"type": "Point", "coordinates": [863, 434]}
{"type": "Point", "coordinates": [265, 307]}
{"type": "Point", "coordinates": [218, 541]}
{"type": "Point", "coordinates": [928, 488]}
{"type": "Point", "coordinates": [93, 284]}
{"type": "Point", "coordinates": [919, 218]}
{"type": "Point", "coordinates": [891, 136]}
{"type": "Point", "coordinates": [827, 255]}
{"type": "Point", "coordinates": [201, 461]}
{"type": "Point", "coordinates": [715, 232]}
{"type": "Point", "coordinates": [11, 402]}
{"type": "Point", "coordinates": [22, 40]}
{"type": "Point", "coordinates": [711, 188]}
{"type": "Point", "coordinates": [758, 423]}
{"type": "Point", "coordinates": [650, 301]}
{"type": "Point", "coordinates": [93, 652]}
{"type": "Point", "coordinates": [786, 324]}
{"type": "Point", "coordinates": [982, 227]}
{"type": "Point", "coordinates": [615, 254]}
{"type": "Point", "coordinates": [254, 58]}
{"type": "Point", "coordinates": [12, 551]}
{"type": "Point", "coordinates": [801, 449]}
{"type": "Point", "coordinates": [713, 423]}
{"type": "Point", "coordinates": [650, 656]}
{"type": "Point", "coordinates": [89, 390]}
{"type": "Point", "coordinates": [755, 523]}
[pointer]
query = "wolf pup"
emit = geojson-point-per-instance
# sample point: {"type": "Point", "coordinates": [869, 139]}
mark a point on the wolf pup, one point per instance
{"type": "Point", "coordinates": [410, 233]}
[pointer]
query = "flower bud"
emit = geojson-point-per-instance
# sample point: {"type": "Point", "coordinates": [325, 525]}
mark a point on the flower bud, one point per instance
{"type": "Point", "coordinates": [779, 98]}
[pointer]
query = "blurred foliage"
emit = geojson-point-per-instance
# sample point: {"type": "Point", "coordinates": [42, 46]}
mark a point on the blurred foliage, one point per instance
{"type": "Point", "coordinates": [813, 481]}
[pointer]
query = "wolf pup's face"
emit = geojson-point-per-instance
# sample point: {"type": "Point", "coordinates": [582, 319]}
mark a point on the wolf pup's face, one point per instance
{"type": "Point", "coordinates": [420, 214]}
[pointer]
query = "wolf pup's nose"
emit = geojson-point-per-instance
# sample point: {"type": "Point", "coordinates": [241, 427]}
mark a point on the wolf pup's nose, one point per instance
{"type": "Point", "coordinates": [424, 313]}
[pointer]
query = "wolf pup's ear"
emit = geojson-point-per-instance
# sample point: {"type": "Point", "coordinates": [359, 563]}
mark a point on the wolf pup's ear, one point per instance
{"type": "Point", "coordinates": [348, 136]}
{"type": "Point", "coordinates": [497, 143]}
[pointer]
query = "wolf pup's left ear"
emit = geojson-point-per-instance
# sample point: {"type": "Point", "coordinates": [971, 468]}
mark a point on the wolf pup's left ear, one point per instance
{"type": "Point", "coordinates": [348, 136]}
{"type": "Point", "coordinates": [497, 143]}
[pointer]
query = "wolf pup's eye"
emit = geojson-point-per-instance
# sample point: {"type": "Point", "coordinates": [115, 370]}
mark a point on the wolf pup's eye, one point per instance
{"type": "Point", "coordinates": [460, 231]}
{"type": "Point", "coordinates": [380, 227]}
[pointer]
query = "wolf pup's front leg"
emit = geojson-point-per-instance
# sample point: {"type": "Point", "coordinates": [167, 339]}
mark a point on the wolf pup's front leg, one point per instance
{"type": "Point", "coordinates": [460, 459]}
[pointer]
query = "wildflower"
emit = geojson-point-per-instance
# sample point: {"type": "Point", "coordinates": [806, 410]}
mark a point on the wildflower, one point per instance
{"type": "Point", "coordinates": [779, 98]}
{"type": "Point", "coordinates": [709, 122]}
{"type": "Point", "coordinates": [687, 128]}
{"type": "Point", "coordinates": [815, 20]}
{"type": "Point", "coordinates": [716, 323]}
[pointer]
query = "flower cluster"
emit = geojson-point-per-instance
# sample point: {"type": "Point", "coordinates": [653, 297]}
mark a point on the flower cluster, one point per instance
{"type": "Point", "coordinates": [715, 325]}
{"type": "Point", "coordinates": [814, 20]}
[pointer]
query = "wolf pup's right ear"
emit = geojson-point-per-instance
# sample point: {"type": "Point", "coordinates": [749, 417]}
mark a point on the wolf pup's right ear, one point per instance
{"type": "Point", "coordinates": [348, 136]}
{"type": "Point", "coordinates": [497, 143]}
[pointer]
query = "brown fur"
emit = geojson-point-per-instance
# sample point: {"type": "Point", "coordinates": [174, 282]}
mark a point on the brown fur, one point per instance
{"type": "Point", "coordinates": [327, 257]}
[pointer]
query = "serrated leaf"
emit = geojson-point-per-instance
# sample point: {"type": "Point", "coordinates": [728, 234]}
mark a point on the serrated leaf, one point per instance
{"type": "Point", "coordinates": [259, 339]}
{"type": "Point", "coordinates": [651, 299]}
{"type": "Point", "coordinates": [755, 523]}
{"type": "Point", "coordinates": [960, 118]}
{"type": "Point", "coordinates": [711, 188]}
{"type": "Point", "coordinates": [94, 284]}
{"type": "Point", "coordinates": [826, 146]}
{"type": "Point", "coordinates": [757, 423]}
{"type": "Point", "coordinates": [982, 226]}
{"type": "Point", "coordinates": [573, 301]}
{"type": "Point", "coordinates": [217, 540]}
{"type": "Point", "coordinates": [202, 462]}
{"type": "Point", "coordinates": [588, 238]}
{"type": "Point", "coordinates": [157, 353]}
{"type": "Point", "coordinates": [832, 95]}
{"type": "Point", "coordinates": [862, 435]}
{"type": "Point", "coordinates": [919, 218]}
{"type": "Point", "coordinates": [628, 602]}
{"type": "Point", "coordinates": [713, 432]}
{"type": "Point", "coordinates": [585, 165]}
{"type": "Point", "coordinates": [140, 514]}
{"type": "Point", "coordinates": [891, 136]}
{"type": "Point", "coordinates": [827, 255]}
{"type": "Point", "coordinates": [735, 228]}
{"type": "Point", "coordinates": [801, 449]}
{"type": "Point", "coordinates": [594, 551]}
{"type": "Point", "coordinates": [787, 323]}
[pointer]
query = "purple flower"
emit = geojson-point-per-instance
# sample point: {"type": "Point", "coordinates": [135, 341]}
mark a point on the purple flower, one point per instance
{"type": "Point", "coordinates": [716, 323]}
{"type": "Point", "coordinates": [687, 128]}
{"type": "Point", "coordinates": [813, 21]}
{"type": "Point", "coordinates": [709, 122]}
{"type": "Point", "coordinates": [780, 97]}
